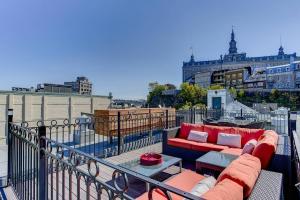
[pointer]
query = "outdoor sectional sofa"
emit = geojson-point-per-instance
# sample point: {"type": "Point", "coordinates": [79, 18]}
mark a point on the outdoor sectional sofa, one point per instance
{"type": "Point", "coordinates": [275, 149]}
{"type": "Point", "coordinates": [242, 179]}
{"type": "Point", "coordinates": [274, 154]}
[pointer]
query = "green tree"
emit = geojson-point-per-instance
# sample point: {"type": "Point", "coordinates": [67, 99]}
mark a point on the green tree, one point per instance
{"type": "Point", "coordinates": [233, 92]}
{"type": "Point", "coordinates": [156, 92]}
{"type": "Point", "coordinates": [241, 93]}
{"type": "Point", "coordinates": [274, 95]}
{"type": "Point", "coordinates": [191, 95]}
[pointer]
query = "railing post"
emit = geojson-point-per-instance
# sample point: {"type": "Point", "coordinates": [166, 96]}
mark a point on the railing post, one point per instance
{"type": "Point", "coordinates": [191, 115]}
{"type": "Point", "coordinates": [167, 119]}
{"type": "Point", "coordinates": [9, 143]}
{"type": "Point", "coordinates": [119, 132]}
{"type": "Point", "coordinates": [43, 168]}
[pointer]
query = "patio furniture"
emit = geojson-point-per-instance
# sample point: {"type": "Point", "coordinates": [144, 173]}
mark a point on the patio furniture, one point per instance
{"type": "Point", "coordinates": [174, 143]}
{"type": "Point", "coordinates": [150, 171]}
{"type": "Point", "coordinates": [214, 161]}
{"type": "Point", "coordinates": [242, 179]}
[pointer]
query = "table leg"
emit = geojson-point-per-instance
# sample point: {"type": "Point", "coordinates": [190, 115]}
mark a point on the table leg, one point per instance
{"type": "Point", "coordinates": [147, 187]}
{"type": "Point", "coordinates": [180, 166]}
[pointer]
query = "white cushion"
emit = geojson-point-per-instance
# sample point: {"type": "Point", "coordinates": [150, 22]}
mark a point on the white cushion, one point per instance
{"type": "Point", "coordinates": [203, 186]}
{"type": "Point", "coordinates": [197, 136]}
{"type": "Point", "coordinates": [249, 146]}
{"type": "Point", "coordinates": [232, 140]}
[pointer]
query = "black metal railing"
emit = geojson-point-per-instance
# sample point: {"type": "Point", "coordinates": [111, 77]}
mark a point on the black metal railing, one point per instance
{"type": "Point", "coordinates": [105, 136]}
{"type": "Point", "coordinates": [39, 168]}
{"type": "Point", "coordinates": [271, 120]}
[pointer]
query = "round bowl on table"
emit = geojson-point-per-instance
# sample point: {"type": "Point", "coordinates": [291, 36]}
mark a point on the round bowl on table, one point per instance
{"type": "Point", "coordinates": [149, 159]}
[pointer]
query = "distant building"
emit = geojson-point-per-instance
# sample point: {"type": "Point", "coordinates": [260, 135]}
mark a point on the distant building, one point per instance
{"type": "Point", "coordinates": [297, 76]}
{"type": "Point", "coordinates": [257, 79]}
{"type": "Point", "coordinates": [282, 76]}
{"type": "Point", "coordinates": [81, 86]}
{"type": "Point", "coordinates": [53, 88]}
{"type": "Point", "coordinates": [232, 60]}
{"type": "Point", "coordinates": [235, 78]}
{"type": "Point", "coordinates": [218, 77]}
{"type": "Point", "coordinates": [171, 92]}
{"type": "Point", "coordinates": [203, 79]}
{"type": "Point", "coordinates": [20, 89]}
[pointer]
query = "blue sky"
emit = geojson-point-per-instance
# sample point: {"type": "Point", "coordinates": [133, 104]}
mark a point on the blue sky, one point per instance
{"type": "Point", "coordinates": [122, 45]}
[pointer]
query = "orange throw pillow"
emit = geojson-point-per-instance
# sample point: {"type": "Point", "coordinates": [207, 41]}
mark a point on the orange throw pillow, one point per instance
{"type": "Point", "coordinates": [244, 171]}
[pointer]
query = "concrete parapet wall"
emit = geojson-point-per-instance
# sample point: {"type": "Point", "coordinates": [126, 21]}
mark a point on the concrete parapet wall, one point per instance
{"type": "Point", "coordinates": [32, 107]}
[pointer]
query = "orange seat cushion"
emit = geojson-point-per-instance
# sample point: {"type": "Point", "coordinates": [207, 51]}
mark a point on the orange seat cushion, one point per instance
{"type": "Point", "coordinates": [225, 189]}
{"type": "Point", "coordinates": [206, 147]}
{"type": "Point", "coordinates": [233, 151]}
{"type": "Point", "coordinates": [179, 142]}
{"type": "Point", "coordinates": [265, 148]}
{"type": "Point", "coordinates": [248, 134]}
{"type": "Point", "coordinates": [213, 132]}
{"type": "Point", "coordinates": [186, 128]}
{"type": "Point", "coordinates": [244, 171]}
{"type": "Point", "coordinates": [185, 181]}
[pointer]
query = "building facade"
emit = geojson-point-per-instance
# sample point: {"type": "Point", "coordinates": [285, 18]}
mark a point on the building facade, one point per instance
{"type": "Point", "coordinates": [33, 106]}
{"type": "Point", "coordinates": [203, 79]}
{"type": "Point", "coordinates": [53, 88]}
{"type": "Point", "coordinates": [82, 85]}
{"type": "Point", "coordinates": [235, 78]}
{"type": "Point", "coordinates": [282, 76]}
{"type": "Point", "coordinates": [232, 60]}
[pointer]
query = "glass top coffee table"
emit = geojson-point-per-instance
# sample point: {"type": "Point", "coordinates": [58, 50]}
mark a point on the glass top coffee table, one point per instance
{"type": "Point", "coordinates": [215, 161]}
{"type": "Point", "coordinates": [150, 171]}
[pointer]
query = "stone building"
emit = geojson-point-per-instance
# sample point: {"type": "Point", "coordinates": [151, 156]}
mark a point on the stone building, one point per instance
{"type": "Point", "coordinates": [53, 88]}
{"type": "Point", "coordinates": [203, 79]}
{"type": "Point", "coordinates": [235, 78]}
{"type": "Point", "coordinates": [230, 61]}
{"type": "Point", "coordinates": [282, 76]}
{"type": "Point", "coordinates": [82, 85]}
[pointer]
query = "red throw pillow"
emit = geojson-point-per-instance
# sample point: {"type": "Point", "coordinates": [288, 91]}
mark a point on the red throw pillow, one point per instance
{"type": "Point", "coordinates": [214, 130]}
{"type": "Point", "coordinates": [186, 128]}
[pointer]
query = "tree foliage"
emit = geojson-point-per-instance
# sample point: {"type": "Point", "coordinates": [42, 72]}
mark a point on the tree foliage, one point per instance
{"type": "Point", "coordinates": [191, 95]}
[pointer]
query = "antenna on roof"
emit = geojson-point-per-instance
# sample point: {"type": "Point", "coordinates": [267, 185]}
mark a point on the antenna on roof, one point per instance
{"type": "Point", "coordinates": [192, 50]}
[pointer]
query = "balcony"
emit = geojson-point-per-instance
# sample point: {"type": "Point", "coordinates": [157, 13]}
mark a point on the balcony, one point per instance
{"type": "Point", "coordinates": [58, 159]}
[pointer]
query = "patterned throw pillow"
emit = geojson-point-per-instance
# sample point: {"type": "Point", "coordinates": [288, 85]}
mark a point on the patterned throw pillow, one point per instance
{"type": "Point", "coordinates": [197, 136]}
{"type": "Point", "coordinates": [249, 146]}
{"type": "Point", "coordinates": [203, 186]}
{"type": "Point", "coordinates": [231, 140]}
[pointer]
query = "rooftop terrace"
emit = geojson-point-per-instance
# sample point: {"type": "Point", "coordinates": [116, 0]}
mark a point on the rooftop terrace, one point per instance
{"type": "Point", "coordinates": [63, 160]}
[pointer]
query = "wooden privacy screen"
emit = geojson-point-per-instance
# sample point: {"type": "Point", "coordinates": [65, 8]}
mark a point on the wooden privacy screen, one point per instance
{"type": "Point", "coordinates": [132, 120]}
